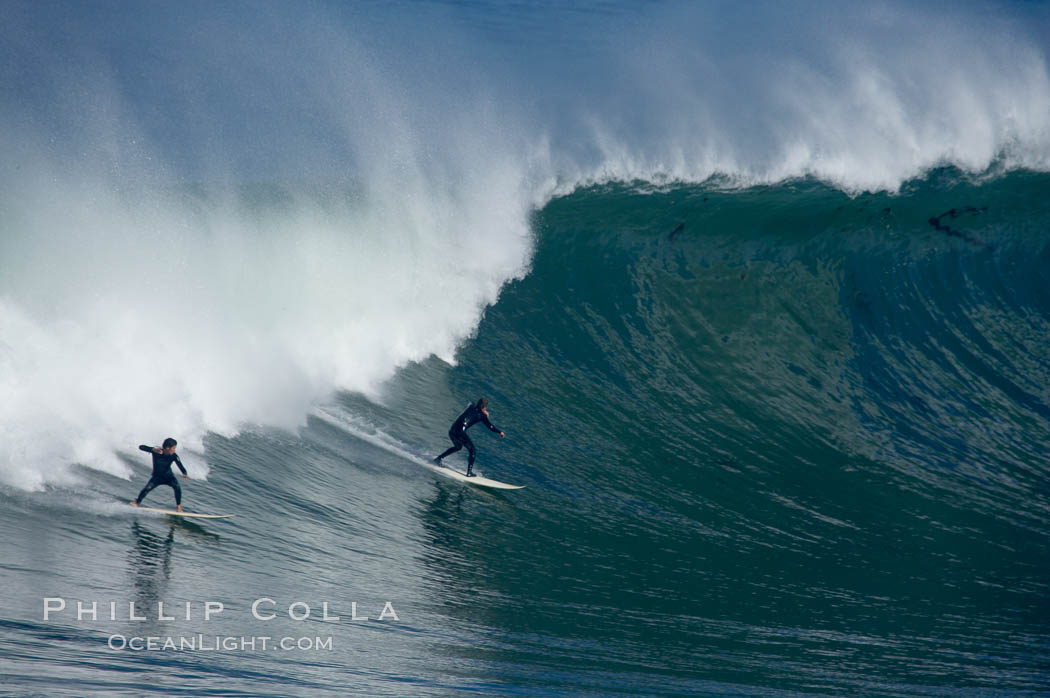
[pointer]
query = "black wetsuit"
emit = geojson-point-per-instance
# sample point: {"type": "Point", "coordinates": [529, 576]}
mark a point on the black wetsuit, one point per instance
{"type": "Point", "coordinates": [458, 433]}
{"type": "Point", "coordinates": [162, 474]}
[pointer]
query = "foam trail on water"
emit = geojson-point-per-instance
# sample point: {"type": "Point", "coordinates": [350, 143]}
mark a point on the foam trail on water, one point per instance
{"type": "Point", "coordinates": [268, 205]}
{"type": "Point", "coordinates": [369, 433]}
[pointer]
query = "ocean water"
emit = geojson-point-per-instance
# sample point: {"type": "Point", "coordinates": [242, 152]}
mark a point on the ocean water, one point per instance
{"type": "Point", "coordinates": [759, 295]}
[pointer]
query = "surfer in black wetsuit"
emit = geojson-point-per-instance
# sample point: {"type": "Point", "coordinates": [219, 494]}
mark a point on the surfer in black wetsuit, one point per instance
{"type": "Point", "coordinates": [162, 459]}
{"type": "Point", "coordinates": [478, 412]}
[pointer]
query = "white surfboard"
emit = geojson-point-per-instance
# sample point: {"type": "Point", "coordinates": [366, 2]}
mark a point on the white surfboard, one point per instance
{"type": "Point", "coordinates": [186, 513]}
{"type": "Point", "coordinates": [476, 480]}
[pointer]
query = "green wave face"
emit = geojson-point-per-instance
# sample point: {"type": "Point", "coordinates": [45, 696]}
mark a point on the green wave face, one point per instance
{"type": "Point", "coordinates": [763, 399]}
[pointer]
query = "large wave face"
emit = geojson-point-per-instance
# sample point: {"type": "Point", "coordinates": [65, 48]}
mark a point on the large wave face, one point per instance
{"type": "Point", "coordinates": [787, 327]}
{"type": "Point", "coordinates": [767, 418]}
{"type": "Point", "coordinates": [217, 215]}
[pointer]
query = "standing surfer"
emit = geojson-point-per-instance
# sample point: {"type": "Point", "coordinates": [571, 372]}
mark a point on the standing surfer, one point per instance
{"type": "Point", "coordinates": [478, 412]}
{"type": "Point", "coordinates": [162, 459]}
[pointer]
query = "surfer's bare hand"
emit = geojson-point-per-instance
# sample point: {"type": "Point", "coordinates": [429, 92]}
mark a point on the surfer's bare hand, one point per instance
{"type": "Point", "coordinates": [501, 435]}
{"type": "Point", "coordinates": [187, 477]}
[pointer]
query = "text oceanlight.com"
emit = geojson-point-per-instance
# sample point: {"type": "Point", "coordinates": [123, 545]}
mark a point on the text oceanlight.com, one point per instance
{"type": "Point", "coordinates": [218, 643]}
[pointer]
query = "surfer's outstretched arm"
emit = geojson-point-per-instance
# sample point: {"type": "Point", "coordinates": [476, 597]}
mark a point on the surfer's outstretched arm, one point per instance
{"type": "Point", "coordinates": [179, 463]}
{"type": "Point", "coordinates": [492, 428]}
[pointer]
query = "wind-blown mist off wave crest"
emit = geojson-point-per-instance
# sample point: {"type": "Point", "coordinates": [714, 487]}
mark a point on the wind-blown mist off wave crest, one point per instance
{"type": "Point", "coordinates": [863, 100]}
{"type": "Point", "coordinates": [205, 319]}
{"type": "Point", "coordinates": [274, 206]}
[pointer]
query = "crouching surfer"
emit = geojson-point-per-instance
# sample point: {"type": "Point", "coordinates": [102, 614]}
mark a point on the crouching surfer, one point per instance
{"type": "Point", "coordinates": [163, 457]}
{"type": "Point", "coordinates": [478, 412]}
